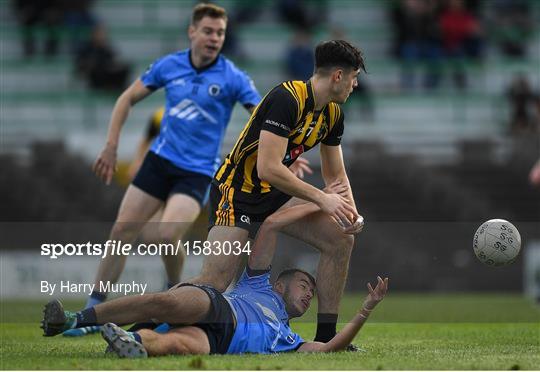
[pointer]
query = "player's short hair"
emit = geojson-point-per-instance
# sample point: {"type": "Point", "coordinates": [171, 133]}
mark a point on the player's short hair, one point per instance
{"type": "Point", "coordinates": [338, 53]}
{"type": "Point", "coordinates": [288, 274]}
{"type": "Point", "coordinates": [207, 10]}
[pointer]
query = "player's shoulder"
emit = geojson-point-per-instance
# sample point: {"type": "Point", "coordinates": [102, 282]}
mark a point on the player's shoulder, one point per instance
{"type": "Point", "coordinates": [171, 60]}
{"type": "Point", "coordinates": [288, 91]}
{"type": "Point", "coordinates": [175, 56]}
{"type": "Point", "coordinates": [296, 88]}
{"type": "Point", "coordinates": [335, 111]}
{"type": "Point", "coordinates": [179, 57]}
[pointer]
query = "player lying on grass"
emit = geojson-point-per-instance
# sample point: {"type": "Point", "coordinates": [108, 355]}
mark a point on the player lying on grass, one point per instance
{"type": "Point", "coordinates": [251, 318]}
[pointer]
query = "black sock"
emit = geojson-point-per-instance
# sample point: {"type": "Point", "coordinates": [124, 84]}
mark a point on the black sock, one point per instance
{"type": "Point", "coordinates": [326, 327]}
{"type": "Point", "coordinates": [171, 284]}
{"type": "Point", "coordinates": [137, 337]}
{"type": "Point", "coordinates": [86, 318]}
{"type": "Point", "coordinates": [94, 299]}
{"type": "Point", "coordinates": [98, 296]}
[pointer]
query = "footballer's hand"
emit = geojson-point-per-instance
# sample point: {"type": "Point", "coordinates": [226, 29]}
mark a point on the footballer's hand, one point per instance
{"type": "Point", "coordinates": [105, 164]}
{"type": "Point", "coordinates": [339, 209]}
{"type": "Point", "coordinates": [356, 227]}
{"type": "Point", "coordinates": [300, 166]}
{"type": "Point", "coordinates": [376, 294]}
{"type": "Point", "coordinates": [337, 187]}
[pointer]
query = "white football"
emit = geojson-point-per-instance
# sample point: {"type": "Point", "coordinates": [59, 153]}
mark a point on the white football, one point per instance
{"type": "Point", "coordinates": [497, 243]}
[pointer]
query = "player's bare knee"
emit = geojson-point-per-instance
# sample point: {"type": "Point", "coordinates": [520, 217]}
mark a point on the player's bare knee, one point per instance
{"type": "Point", "coordinates": [124, 230]}
{"type": "Point", "coordinates": [336, 243]}
{"type": "Point", "coordinates": [170, 232]}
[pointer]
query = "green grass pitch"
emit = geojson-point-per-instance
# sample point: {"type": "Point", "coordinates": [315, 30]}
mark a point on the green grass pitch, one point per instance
{"type": "Point", "coordinates": [408, 331]}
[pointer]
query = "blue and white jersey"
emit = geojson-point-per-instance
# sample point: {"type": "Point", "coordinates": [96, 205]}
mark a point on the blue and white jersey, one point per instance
{"type": "Point", "coordinates": [262, 324]}
{"type": "Point", "coordinates": [198, 108]}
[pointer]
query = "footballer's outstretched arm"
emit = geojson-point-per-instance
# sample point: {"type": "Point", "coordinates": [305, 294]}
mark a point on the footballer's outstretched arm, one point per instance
{"type": "Point", "coordinates": [105, 164]}
{"type": "Point", "coordinates": [351, 329]}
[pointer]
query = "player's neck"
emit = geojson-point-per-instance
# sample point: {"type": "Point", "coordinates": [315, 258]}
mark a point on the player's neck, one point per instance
{"type": "Point", "coordinates": [321, 97]}
{"type": "Point", "coordinates": [198, 62]}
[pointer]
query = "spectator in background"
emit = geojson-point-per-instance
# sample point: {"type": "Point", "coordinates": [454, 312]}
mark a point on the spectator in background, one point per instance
{"type": "Point", "coordinates": [417, 41]}
{"type": "Point", "coordinates": [33, 14]}
{"type": "Point", "coordinates": [79, 22]}
{"type": "Point", "coordinates": [524, 105]}
{"type": "Point", "coordinates": [297, 14]}
{"type": "Point", "coordinates": [512, 26]}
{"type": "Point", "coordinates": [243, 13]}
{"type": "Point", "coordinates": [299, 62]}
{"type": "Point", "coordinates": [97, 62]}
{"type": "Point", "coordinates": [460, 31]}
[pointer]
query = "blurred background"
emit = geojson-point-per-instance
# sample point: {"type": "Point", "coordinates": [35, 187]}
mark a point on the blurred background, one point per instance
{"type": "Point", "coordinates": [441, 134]}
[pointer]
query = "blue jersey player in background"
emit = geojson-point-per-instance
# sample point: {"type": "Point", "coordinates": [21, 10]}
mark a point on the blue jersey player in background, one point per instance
{"type": "Point", "coordinates": [251, 318]}
{"type": "Point", "coordinates": [201, 89]}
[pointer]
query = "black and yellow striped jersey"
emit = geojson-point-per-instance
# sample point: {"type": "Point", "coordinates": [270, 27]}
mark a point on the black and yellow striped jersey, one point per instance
{"type": "Point", "coordinates": [287, 111]}
{"type": "Point", "coordinates": [154, 124]}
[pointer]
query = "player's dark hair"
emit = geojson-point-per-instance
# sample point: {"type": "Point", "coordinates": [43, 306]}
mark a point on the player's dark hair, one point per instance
{"type": "Point", "coordinates": [338, 53]}
{"type": "Point", "coordinates": [207, 10]}
{"type": "Point", "coordinates": [288, 274]}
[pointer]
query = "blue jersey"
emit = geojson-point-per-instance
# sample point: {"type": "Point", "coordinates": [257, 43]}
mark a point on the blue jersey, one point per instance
{"type": "Point", "coordinates": [262, 324]}
{"type": "Point", "coordinates": [198, 108]}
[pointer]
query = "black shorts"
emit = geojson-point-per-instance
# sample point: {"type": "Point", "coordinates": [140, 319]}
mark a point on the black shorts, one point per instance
{"type": "Point", "coordinates": [219, 324]}
{"type": "Point", "coordinates": [161, 178]}
{"type": "Point", "coordinates": [231, 207]}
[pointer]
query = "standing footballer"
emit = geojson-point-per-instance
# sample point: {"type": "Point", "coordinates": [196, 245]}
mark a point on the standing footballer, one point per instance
{"type": "Point", "coordinates": [255, 179]}
{"type": "Point", "coordinates": [201, 88]}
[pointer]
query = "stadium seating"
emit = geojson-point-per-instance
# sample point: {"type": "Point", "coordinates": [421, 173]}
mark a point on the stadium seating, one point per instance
{"type": "Point", "coordinates": [46, 89]}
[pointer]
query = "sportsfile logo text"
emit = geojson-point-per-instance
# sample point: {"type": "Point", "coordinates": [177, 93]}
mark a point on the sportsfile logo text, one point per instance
{"type": "Point", "coordinates": [117, 248]}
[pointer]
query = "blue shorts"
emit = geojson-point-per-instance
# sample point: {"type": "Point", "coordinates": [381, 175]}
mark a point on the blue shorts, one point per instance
{"type": "Point", "coordinates": [219, 324]}
{"type": "Point", "coordinates": [161, 178]}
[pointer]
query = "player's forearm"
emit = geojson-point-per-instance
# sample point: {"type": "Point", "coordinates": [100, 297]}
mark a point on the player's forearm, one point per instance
{"type": "Point", "coordinates": [344, 337]}
{"type": "Point", "coordinates": [118, 118]}
{"type": "Point", "coordinates": [344, 180]}
{"type": "Point", "coordinates": [350, 195]}
{"type": "Point", "coordinates": [281, 178]}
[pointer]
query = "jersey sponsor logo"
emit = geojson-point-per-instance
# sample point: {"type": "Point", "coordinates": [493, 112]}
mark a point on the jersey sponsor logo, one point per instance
{"type": "Point", "coordinates": [225, 206]}
{"type": "Point", "coordinates": [245, 219]}
{"type": "Point", "coordinates": [294, 153]}
{"type": "Point", "coordinates": [214, 90]}
{"type": "Point", "coordinates": [189, 110]}
{"type": "Point", "coordinates": [276, 124]}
